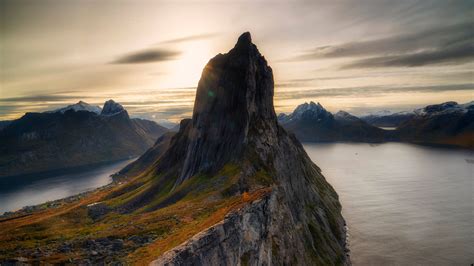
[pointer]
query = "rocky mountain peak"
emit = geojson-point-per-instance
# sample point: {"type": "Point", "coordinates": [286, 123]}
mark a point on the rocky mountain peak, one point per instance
{"type": "Point", "coordinates": [79, 106]}
{"type": "Point", "coordinates": [244, 40]}
{"type": "Point", "coordinates": [234, 98]}
{"type": "Point", "coordinates": [234, 146]}
{"type": "Point", "coordinates": [112, 108]}
{"type": "Point", "coordinates": [310, 111]}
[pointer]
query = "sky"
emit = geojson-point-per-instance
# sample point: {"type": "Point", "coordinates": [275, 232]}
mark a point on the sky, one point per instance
{"type": "Point", "coordinates": [357, 56]}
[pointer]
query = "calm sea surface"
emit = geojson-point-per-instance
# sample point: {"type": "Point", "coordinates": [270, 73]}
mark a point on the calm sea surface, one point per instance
{"type": "Point", "coordinates": [17, 192]}
{"type": "Point", "coordinates": [404, 204]}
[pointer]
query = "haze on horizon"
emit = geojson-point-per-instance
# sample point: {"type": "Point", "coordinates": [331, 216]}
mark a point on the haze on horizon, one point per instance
{"type": "Point", "coordinates": [357, 56]}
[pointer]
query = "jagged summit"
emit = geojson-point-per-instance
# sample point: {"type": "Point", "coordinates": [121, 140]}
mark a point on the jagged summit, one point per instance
{"type": "Point", "coordinates": [79, 106]}
{"type": "Point", "coordinates": [307, 111]}
{"type": "Point", "coordinates": [244, 40]}
{"type": "Point", "coordinates": [234, 96]}
{"type": "Point", "coordinates": [112, 108]}
{"type": "Point", "coordinates": [311, 110]}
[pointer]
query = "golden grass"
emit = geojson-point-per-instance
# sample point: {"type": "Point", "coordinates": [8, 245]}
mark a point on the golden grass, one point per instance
{"type": "Point", "coordinates": [171, 225]}
{"type": "Point", "coordinates": [144, 255]}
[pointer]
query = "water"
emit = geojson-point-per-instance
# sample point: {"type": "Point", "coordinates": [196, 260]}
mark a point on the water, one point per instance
{"type": "Point", "coordinates": [17, 192]}
{"type": "Point", "coordinates": [404, 204]}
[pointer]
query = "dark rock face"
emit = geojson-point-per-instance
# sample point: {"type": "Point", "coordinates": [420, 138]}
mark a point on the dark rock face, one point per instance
{"type": "Point", "coordinates": [312, 123]}
{"type": "Point", "coordinates": [234, 93]}
{"type": "Point", "coordinates": [53, 140]}
{"type": "Point", "coordinates": [235, 240]}
{"type": "Point", "coordinates": [299, 222]}
{"type": "Point", "coordinates": [112, 108]}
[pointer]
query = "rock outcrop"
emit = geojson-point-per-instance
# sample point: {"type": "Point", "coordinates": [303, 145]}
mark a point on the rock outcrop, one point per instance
{"type": "Point", "coordinates": [112, 108]}
{"type": "Point", "coordinates": [299, 222]}
{"type": "Point", "coordinates": [234, 240]}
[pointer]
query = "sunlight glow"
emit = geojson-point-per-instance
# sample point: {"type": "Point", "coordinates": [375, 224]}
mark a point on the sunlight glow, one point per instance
{"type": "Point", "coordinates": [187, 70]}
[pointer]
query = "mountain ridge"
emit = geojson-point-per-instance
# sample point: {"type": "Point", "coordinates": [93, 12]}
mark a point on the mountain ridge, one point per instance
{"type": "Point", "coordinates": [73, 136]}
{"type": "Point", "coordinates": [313, 123]}
{"type": "Point", "coordinates": [447, 123]}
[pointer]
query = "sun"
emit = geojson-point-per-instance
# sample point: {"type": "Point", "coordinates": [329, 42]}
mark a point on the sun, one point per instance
{"type": "Point", "coordinates": [187, 70]}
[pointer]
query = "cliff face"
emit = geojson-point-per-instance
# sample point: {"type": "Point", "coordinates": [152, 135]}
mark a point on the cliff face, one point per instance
{"type": "Point", "coordinates": [298, 222]}
{"type": "Point", "coordinates": [234, 94]}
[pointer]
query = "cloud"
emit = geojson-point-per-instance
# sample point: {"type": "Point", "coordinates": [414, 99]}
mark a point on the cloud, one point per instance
{"type": "Point", "coordinates": [147, 56]}
{"type": "Point", "coordinates": [42, 98]}
{"type": "Point", "coordinates": [368, 91]}
{"type": "Point", "coordinates": [451, 56]}
{"type": "Point", "coordinates": [447, 45]}
{"type": "Point", "coordinates": [196, 37]}
{"type": "Point", "coordinates": [154, 54]}
{"type": "Point", "coordinates": [170, 103]}
{"type": "Point", "coordinates": [8, 108]}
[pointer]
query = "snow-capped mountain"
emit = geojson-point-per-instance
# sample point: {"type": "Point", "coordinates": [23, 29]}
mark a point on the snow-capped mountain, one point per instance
{"type": "Point", "coordinates": [312, 122]}
{"type": "Point", "coordinates": [446, 123]}
{"type": "Point", "coordinates": [387, 118]}
{"type": "Point", "coordinates": [444, 108]}
{"type": "Point", "coordinates": [346, 117]}
{"type": "Point", "coordinates": [79, 106]}
{"type": "Point", "coordinates": [308, 111]}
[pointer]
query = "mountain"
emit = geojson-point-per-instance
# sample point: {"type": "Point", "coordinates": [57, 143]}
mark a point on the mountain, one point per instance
{"type": "Point", "coordinates": [447, 123]}
{"type": "Point", "coordinates": [311, 122]}
{"type": "Point", "coordinates": [112, 108]}
{"type": "Point", "coordinates": [80, 106]}
{"type": "Point", "coordinates": [231, 187]}
{"type": "Point", "coordinates": [387, 118]}
{"type": "Point", "coordinates": [168, 124]}
{"type": "Point", "coordinates": [4, 124]}
{"type": "Point", "coordinates": [234, 125]}
{"type": "Point", "coordinates": [77, 135]}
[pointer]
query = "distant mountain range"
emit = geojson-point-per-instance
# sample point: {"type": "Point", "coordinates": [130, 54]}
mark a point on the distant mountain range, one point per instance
{"type": "Point", "coordinates": [76, 135]}
{"type": "Point", "coordinates": [387, 119]}
{"type": "Point", "coordinates": [311, 122]}
{"type": "Point", "coordinates": [448, 123]}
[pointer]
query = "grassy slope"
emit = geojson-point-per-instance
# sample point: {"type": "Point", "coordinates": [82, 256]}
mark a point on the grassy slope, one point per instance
{"type": "Point", "coordinates": [206, 204]}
